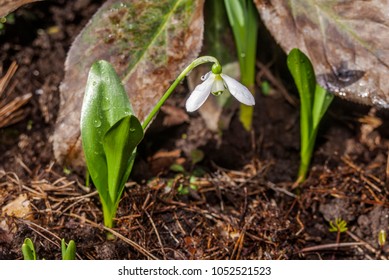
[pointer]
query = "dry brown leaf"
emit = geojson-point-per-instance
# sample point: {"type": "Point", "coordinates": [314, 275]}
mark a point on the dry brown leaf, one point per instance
{"type": "Point", "coordinates": [346, 40]}
{"type": "Point", "coordinates": [8, 6]}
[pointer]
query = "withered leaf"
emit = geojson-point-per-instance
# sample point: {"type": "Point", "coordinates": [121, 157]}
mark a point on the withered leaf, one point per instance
{"type": "Point", "coordinates": [8, 6]}
{"type": "Point", "coordinates": [346, 40]}
{"type": "Point", "coordinates": [148, 42]}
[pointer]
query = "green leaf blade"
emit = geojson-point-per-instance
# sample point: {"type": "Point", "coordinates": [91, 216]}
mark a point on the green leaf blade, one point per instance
{"type": "Point", "coordinates": [105, 103]}
{"type": "Point", "coordinates": [321, 103]}
{"type": "Point", "coordinates": [304, 76]}
{"type": "Point", "coordinates": [119, 143]}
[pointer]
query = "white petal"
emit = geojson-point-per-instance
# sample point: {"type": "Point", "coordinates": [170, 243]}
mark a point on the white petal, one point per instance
{"type": "Point", "coordinates": [239, 91]}
{"type": "Point", "coordinates": [218, 86]}
{"type": "Point", "coordinates": [206, 76]}
{"type": "Point", "coordinates": [200, 94]}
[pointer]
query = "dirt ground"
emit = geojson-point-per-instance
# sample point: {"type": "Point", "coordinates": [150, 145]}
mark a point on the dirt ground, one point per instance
{"type": "Point", "coordinates": [244, 204]}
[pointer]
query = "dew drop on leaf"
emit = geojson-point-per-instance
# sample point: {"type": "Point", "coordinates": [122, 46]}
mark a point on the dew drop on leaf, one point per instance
{"type": "Point", "coordinates": [97, 123]}
{"type": "Point", "coordinates": [105, 104]}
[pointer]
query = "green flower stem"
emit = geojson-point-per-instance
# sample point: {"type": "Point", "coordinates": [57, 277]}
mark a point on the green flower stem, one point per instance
{"type": "Point", "coordinates": [190, 67]}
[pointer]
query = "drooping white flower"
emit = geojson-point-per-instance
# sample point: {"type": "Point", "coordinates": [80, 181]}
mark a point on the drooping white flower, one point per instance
{"type": "Point", "coordinates": [217, 84]}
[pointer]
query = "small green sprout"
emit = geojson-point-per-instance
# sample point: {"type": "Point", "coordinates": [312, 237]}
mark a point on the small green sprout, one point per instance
{"type": "Point", "coordinates": [243, 17]}
{"type": "Point", "coordinates": [196, 156]}
{"type": "Point", "coordinates": [175, 167]}
{"type": "Point", "coordinates": [9, 19]}
{"type": "Point", "coordinates": [382, 238]}
{"type": "Point", "coordinates": [265, 88]}
{"type": "Point", "coordinates": [338, 225]}
{"type": "Point", "coordinates": [28, 250]}
{"type": "Point", "coordinates": [314, 103]}
{"type": "Point", "coordinates": [69, 251]}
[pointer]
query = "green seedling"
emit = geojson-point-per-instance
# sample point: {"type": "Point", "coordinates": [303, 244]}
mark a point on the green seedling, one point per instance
{"type": "Point", "coordinates": [382, 238]}
{"type": "Point", "coordinates": [69, 251]}
{"type": "Point", "coordinates": [314, 103]}
{"type": "Point", "coordinates": [8, 19]}
{"type": "Point", "coordinates": [111, 132]}
{"type": "Point", "coordinates": [196, 156]}
{"type": "Point", "coordinates": [265, 88]}
{"type": "Point", "coordinates": [338, 225]}
{"type": "Point", "coordinates": [243, 18]}
{"type": "Point", "coordinates": [28, 250]}
{"type": "Point", "coordinates": [178, 168]}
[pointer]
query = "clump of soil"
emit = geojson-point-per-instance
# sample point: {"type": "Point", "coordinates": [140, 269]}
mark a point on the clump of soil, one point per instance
{"type": "Point", "coordinates": [239, 202]}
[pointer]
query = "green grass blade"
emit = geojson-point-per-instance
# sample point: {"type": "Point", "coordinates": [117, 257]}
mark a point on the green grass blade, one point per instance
{"type": "Point", "coordinates": [245, 29]}
{"type": "Point", "coordinates": [304, 77]}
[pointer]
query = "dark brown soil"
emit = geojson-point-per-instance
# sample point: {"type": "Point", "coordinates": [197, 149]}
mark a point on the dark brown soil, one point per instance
{"type": "Point", "coordinates": [245, 205]}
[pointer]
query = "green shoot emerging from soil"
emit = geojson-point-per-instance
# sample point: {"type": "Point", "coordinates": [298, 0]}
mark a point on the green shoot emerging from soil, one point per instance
{"type": "Point", "coordinates": [314, 103]}
{"type": "Point", "coordinates": [382, 238]}
{"type": "Point", "coordinates": [338, 225]}
{"type": "Point", "coordinates": [111, 132]}
{"type": "Point", "coordinates": [68, 252]}
{"type": "Point", "coordinates": [243, 18]}
{"type": "Point", "coordinates": [28, 250]}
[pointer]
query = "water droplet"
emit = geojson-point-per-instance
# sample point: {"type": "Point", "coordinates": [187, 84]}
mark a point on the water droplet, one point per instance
{"type": "Point", "coordinates": [97, 123]}
{"type": "Point", "coordinates": [132, 129]}
{"type": "Point", "coordinates": [105, 105]}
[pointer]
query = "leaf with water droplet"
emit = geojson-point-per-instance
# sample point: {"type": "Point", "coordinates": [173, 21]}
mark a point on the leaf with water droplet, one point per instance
{"type": "Point", "coordinates": [103, 130]}
{"type": "Point", "coordinates": [347, 42]}
{"type": "Point", "coordinates": [148, 42]}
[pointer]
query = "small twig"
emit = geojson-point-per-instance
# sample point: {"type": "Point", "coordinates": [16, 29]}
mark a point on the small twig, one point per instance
{"type": "Point", "coordinates": [387, 173]}
{"type": "Point", "coordinates": [334, 246]}
{"type": "Point", "coordinates": [7, 77]}
{"type": "Point", "coordinates": [278, 189]}
{"type": "Point", "coordinates": [157, 234]}
{"type": "Point", "coordinates": [302, 227]}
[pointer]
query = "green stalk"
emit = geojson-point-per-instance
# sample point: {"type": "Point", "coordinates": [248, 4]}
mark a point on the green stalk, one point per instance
{"type": "Point", "coordinates": [314, 102]}
{"type": "Point", "coordinates": [190, 67]}
{"type": "Point", "coordinates": [243, 18]}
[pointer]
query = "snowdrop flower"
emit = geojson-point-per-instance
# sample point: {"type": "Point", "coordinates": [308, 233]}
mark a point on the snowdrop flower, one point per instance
{"type": "Point", "coordinates": [216, 83]}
